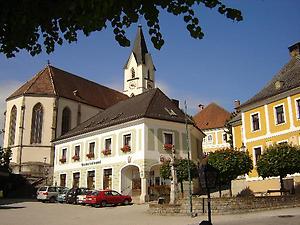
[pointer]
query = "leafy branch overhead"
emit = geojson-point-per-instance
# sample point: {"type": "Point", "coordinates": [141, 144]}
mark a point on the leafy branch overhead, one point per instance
{"type": "Point", "coordinates": [34, 24]}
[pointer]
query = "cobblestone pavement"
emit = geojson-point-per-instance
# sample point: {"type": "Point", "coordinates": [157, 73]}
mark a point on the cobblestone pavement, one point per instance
{"type": "Point", "coordinates": [36, 213]}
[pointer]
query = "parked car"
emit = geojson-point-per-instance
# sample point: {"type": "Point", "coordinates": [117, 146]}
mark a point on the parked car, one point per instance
{"type": "Point", "coordinates": [71, 196]}
{"type": "Point", "coordinates": [82, 197]}
{"type": "Point", "coordinates": [105, 197]}
{"type": "Point", "coordinates": [61, 197]}
{"type": "Point", "coordinates": [48, 193]}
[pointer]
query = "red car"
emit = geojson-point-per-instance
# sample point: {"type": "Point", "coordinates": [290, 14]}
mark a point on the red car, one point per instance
{"type": "Point", "coordinates": [103, 198]}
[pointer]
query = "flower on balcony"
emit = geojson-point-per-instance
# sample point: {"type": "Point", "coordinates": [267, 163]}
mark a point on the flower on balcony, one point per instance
{"type": "Point", "coordinates": [168, 147]}
{"type": "Point", "coordinates": [126, 148]}
{"type": "Point", "coordinates": [63, 160]}
{"type": "Point", "coordinates": [76, 157]}
{"type": "Point", "coordinates": [90, 155]}
{"type": "Point", "coordinates": [164, 159]}
{"type": "Point", "coordinates": [106, 151]}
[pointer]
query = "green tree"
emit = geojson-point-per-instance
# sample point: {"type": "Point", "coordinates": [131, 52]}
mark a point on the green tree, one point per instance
{"type": "Point", "coordinates": [31, 24]}
{"type": "Point", "coordinates": [230, 164]}
{"type": "Point", "coordinates": [5, 157]}
{"type": "Point", "coordinates": [181, 171]}
{"type": "Point", "coordinates": [279, 160]}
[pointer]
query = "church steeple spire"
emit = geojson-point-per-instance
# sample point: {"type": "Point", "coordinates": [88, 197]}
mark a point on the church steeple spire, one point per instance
{"type": "Point", "coordinates": [140, 48]}
{"type": "Point", "coordinates": [139, 69]}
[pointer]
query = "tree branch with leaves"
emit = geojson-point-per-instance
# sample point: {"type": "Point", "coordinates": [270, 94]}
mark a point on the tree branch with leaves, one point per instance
{"type": "Point", "coordinates": [32, 25]}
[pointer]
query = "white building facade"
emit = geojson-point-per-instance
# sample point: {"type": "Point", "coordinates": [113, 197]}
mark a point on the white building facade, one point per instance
{"type": "Point", "coordinates": [126, 157]}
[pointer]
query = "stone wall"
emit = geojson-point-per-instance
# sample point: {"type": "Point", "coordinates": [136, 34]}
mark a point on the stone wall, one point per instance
{"type": "Point", "coordinates": [227, 205]}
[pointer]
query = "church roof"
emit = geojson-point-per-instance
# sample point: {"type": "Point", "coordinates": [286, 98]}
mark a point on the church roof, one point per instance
{"type": "Point", "coordinates": [151, 104]}
{"type": "Point", "coordinates": [139, 49]}
{"type": "Point", "coordinates": [286, 79]}
{"type": "Point", "coordinates": [212, 116]}
{"type": "Point", "coordinates": [52, 81]}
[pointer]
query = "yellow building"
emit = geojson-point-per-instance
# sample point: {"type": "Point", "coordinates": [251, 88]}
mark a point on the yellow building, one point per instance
{"type": "Point", "coordinates": [272, 115]}
{"type": "Point", "coordinates": [211, 120]}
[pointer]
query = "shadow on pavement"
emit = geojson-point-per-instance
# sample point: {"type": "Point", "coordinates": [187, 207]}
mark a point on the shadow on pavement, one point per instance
{"type": "Point", "coordinates": [11, 207]}
{"type": "Point", "coordinates": [8, 201]}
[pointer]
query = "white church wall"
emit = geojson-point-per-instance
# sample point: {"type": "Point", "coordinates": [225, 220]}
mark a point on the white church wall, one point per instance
{"type": "Point", "coordinates": [87, 112]}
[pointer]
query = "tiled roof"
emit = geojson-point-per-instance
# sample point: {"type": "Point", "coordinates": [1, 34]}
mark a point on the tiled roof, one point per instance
{"type": "Point", "coordinates": [52, 81]}
{"type": "Point", "coordinates": [286, 79]}
{"type": "Point", "coordinates": [151, 104]}
{"type": "Point", "coordinates": [236, 119]}
{"type": "Point", "coordinates": [139, 48]}
{"type": "Point", "coordinates": [212, 116]}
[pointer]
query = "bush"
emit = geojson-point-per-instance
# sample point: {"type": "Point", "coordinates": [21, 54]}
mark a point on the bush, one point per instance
{"type": "Point", "coordinates": [245, 193]}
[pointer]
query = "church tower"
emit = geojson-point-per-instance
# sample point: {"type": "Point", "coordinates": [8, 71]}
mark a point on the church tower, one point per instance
{"type": "Point", "coordinates": [139, 69]}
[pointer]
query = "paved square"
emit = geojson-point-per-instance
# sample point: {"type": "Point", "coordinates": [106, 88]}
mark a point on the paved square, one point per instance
{"type": "Point", "coordinates": [37, 213]}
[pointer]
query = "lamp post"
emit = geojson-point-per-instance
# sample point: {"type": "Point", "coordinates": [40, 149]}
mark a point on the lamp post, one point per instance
{"type": "Point", "coordinates": [173, 191]}
{"type": "Point", "coordinates": [208, 176]}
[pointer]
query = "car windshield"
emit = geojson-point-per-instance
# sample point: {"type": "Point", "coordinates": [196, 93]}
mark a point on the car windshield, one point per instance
{"type": "Point", "coordinates": [94, 193]}
{"type": "Point", "coordinates": [64, 191]}
{"type": "Point", "coordinates": [43, 189]}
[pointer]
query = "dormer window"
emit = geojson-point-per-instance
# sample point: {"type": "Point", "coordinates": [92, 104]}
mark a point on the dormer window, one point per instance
{"type": "Point", "coordinates": [132, 73]}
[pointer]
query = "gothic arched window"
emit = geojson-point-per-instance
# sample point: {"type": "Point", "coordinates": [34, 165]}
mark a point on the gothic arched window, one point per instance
{"type": "Point", "coordinates": [12, 125]}
{"type": "Point", "coordinates": [132, 73]}
{"type": "Point", "coordinates": [36, 124]}
{"type": "Point", "coordinates": [66, 120]}
{"type": "Point", "coordinates": [148, 75]}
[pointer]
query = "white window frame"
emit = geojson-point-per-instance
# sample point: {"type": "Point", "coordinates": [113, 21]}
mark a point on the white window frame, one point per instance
{"type": "Point", "coordinates": [224, 141]}
{"type": "Point", "coordinates": [79, 149]}
{"type": "Point", "coordinates": [112, 179]}
{"type": "Point", "coordinates": [123, 139]}
{"type": "Point", "coordinates": [88, 150]}
{"type": "Point", "coordinates": [76, 171]}
{"type": "Point", "coordinates": [212, 139]}
{"type": "Point", "coordinates": [66, 178]}
{"type": "Point", "coordinates": [173, 137]}
{"type": "Point", "coordinates": [61, 153]}
{"type": "Point", "coordinates": [275, 114]}
{"type": "Point", "coordinates": [297, 110]}
{"type": "Point", "coordinates": [251, 122]}
{"type": "Point", "coordinates": [111, 144]}
{"type": "Point", "coordinates": [254, 155]}
{"type": "Point", "coordinates": [95, 177]}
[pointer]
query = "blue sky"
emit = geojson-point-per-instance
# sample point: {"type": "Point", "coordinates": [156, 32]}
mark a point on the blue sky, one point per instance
{"type": "Point", "coordinates": [234, 60]}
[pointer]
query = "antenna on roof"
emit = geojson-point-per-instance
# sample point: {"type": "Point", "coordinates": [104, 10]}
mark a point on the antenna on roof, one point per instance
{"type": "Point", "coordinates": [48, 62]}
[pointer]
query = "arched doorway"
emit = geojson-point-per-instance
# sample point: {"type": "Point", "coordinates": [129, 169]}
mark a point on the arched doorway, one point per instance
{"type": "Point", "coordinates": [131, 182]}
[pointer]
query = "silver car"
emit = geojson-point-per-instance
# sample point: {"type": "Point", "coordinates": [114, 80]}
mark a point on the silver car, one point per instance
{"type": "Point", "coordinates": [48, 193]}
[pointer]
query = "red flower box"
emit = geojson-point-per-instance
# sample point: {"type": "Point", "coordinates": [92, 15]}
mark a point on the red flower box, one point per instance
{"type": "Point", "coordinates": [126, 148]}
{"type": "Point", "coordinates": [168, 147]}
{"type": "Point", "coordinates": [63, 160]}
{"type": "Point", "coordinates": [106, 152]}
{"type": "Point", "coordinates": [76, 157]}
{"type": "Point", "coordinates": [90, 155]}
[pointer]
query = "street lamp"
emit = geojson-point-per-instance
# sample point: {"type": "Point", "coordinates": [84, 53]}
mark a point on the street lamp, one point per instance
{"type": "Point", "coordinates": [243, 147]}
{"type": "Point", "coordinates": [173, 191]}
{"type": "Point", "coordinates": [208, 176]}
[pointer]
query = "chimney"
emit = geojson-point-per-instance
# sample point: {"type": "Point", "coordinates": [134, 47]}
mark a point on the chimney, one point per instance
{"type": "Point", "coordinates": [201, 107]}
{"type": "Point", "coordinates": [295, 50]}
{"type": "Point", "coordinates": [237, 103]}
{"type": "Point", "coordinates": [176, 102]}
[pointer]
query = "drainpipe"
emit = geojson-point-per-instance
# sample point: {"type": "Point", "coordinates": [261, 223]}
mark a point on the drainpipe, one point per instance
{"type": "Point", "coordinates": [21, 128]}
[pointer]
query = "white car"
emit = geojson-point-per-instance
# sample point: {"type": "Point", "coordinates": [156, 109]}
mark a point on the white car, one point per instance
{"type": "Point", "coordinates": [82, 197]}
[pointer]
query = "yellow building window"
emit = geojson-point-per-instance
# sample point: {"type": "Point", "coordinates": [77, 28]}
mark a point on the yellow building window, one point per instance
{"type": "Point", "coordinates": [279, 114]}
{"type": "Point", "coordinates": [298, 108]}
{"type": "Point", "coordinates": [255, 122]}
{"type": "Point", "coordinates": [257, 154]}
